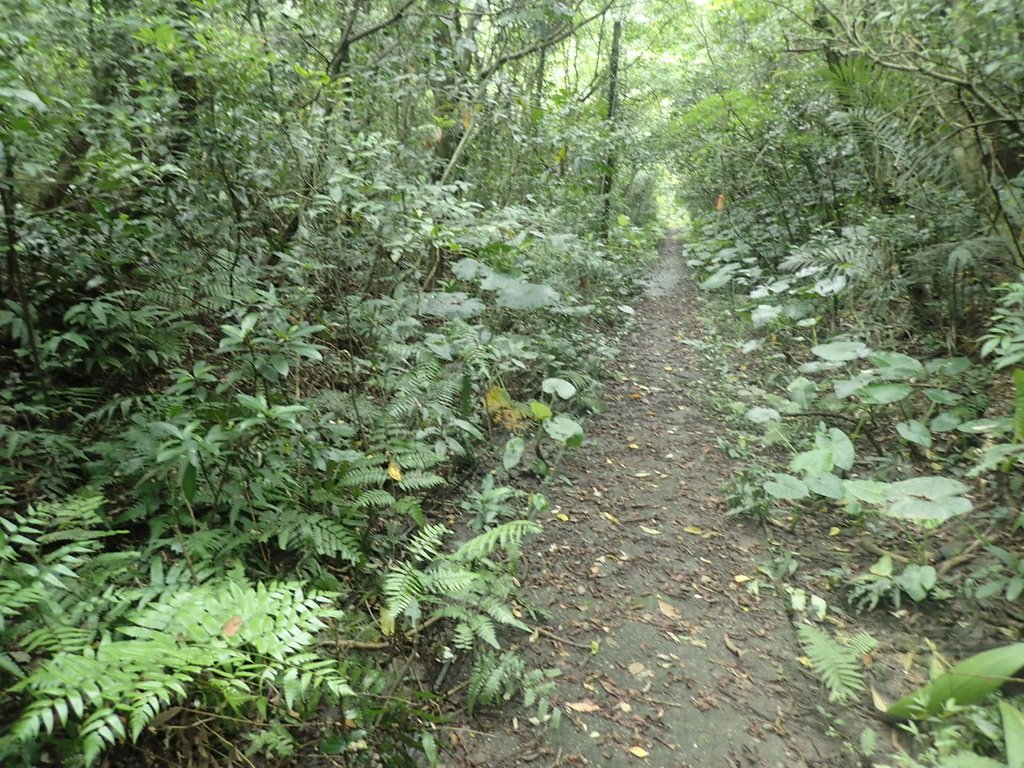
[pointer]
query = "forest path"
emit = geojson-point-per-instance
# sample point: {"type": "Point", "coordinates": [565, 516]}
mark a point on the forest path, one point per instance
{"type": "Point", "coordinates": [638, 558]}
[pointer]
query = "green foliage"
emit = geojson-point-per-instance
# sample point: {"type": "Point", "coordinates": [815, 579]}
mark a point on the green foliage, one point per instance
{"type": "Point", "coordinates": [99, 658]}
{"type": "Point", "coordinates": [837, 663]}
{"type": "Point", "coordinates": [468, 586]}
{"type": "Point", "coordinates": [967, 682]}
{"type": "Point", "coordinates": [258, 277]}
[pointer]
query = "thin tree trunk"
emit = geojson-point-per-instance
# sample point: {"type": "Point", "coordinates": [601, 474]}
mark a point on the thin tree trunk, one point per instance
{"type": "Point", "coordinates": [608, 180]}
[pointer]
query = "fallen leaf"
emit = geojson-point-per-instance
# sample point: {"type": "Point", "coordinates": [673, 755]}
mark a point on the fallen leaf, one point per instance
{"type": "Point", "coordinates": [231, 626]}
{"type": "Point", "coordinates": [731, 645]}
{"type": "Point", "coordinates": [651, 531]}
{"type": "Point", "coordinates": [879, 700]}
{"type": "Point", "coordinates": [394, 472]}
{"type": "Point", "coordinates": [625, 706]}
{"type": "Point", "coordinates": [611, 518]}
{"type": "Point", "coordinates": [634, 446]}
{"type": "Point", "coordinates": [740, 578]}
{"type": "Point", "coordinates": [562, 516]}
{"type": "Point", "coordinates": [669, 611]}
{"type": "Point", "coordinates": [805, 661]}
{"type": "Point", "coordinates": [639, 751]}
{"type": "Point", "coordinates": [586, 705]}
{"type": "Point", "coordinates": [834, 531]}
{"type": "Point", "coordinates": [693, 529]}
{"type": "Point", "coordinates": [636, 668]}
{"type": "Point", "coordinates": [387, 622]}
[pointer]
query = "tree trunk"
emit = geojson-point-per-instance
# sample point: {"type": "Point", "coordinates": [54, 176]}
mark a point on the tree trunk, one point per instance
{"type": "Point", "coordinates": [608, 180]}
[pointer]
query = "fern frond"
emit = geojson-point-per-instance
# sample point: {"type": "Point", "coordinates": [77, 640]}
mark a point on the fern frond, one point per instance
{"type": "Point", "coordinates": [426, 544]}
{"type": "Point", "coordinates": [837, 664]}
{"type": "Point", "coordinates": [420, 481]}
{"type": "Point", "coordinates": [495, 679]}
{"type": "Point", "coordinates": [505, 536]}
{"type": "Point", "coordinates": [402, 588]}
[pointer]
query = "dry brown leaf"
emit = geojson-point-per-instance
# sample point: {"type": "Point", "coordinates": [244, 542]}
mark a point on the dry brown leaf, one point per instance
{"type": "Point", "coordinates": [731, 645]}
{"type": "Point", "coordinates": [586, 705]}
{"type": "Point", "coordinates": [879, 701]}
{"type": "Point", "coordinates": [636, 668]}
{"type": "Point", "coordinates": [669, 611]}
{"type": "Point", "coordinates": [231, 626]}
{"type": "Point", "coordinates": [638, 751]}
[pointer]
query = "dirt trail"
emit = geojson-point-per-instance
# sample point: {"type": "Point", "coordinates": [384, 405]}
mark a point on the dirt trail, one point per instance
{"type": "Point", "coordinates": [691, 670]}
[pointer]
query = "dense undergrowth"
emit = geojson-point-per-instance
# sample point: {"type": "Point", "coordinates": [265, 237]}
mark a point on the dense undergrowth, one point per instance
{"type": "Point", "coordinates": [858, 210]}
{"type": "Point", "coordinates": [281, 281]}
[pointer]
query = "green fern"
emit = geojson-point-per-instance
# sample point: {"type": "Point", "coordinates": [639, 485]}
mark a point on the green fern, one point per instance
{"type": "Point", "coordinates": [836, 663]}
{"type": "Point", "coordinates": [305, 532]}
{"type": "Point", "coordinates": [495, 679]}
{"type": "Point", "coordinates": [505, 536]}
{"type": "Point", "coordinates": [253, 636]}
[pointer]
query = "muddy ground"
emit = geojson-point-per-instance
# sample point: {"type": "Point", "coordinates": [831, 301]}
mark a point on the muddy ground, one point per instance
{"type": "Point", "coordinates": [640, 563]}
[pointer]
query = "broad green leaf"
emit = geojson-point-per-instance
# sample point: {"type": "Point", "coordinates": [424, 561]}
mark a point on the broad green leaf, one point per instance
{"type": "Point", "coordinates": [846, 387]}
{"type": "Point", "coordinates": [786, 487]}
{"type": "Point", "coordinates": [760, 415]}
{"type": "Point", "coordinates": [868, 491]}
{"type": "Point", "coordinates": [815, 461]}
{"type": "Point", "coordinates": [968, 682]}
{"type": "Point", "coordinates": [948, 366]}
{"type": "Point", "coordinates": [841, 351]}
{"type": "Point", "coordinates": [927, 500]}
{"type": "Point", "coordinates": [1013, 734]}
{"type": "Point", "coordinates": [893, 365]}
{"type": "Point", "coordinates": [564, 430]}
{"type": "Point", "coordinates": [801, 391]}
{"type": "Point", "coordinates": [527, 296]}
{"type": "Point", "coordinates": [764, 314]}
{"type": "Point", "coordinates": [560, 387]}
{"type": "Point", "coordinates": [450, 304]}
{"type": "Point", "coordinates": [983, 426]}
{"type": "Point", "coordinates": [25, 96]}
{"type": "Point", "coordinates": [540, 410]}
{"type": "Point", "coordinates": [917, 580]}
{"type": "Point", "coordinates": [843, 453]}
{"type": "Point", "coordinates": [826, 484]}
{"type": "Point", "coordinates": [915, 432]}
{"type": "Point", "coordinates": [883, 567]}
{"type": "Point", "coordinates": [467, 269]}
{"type": "Point", "coordinates": [943, 396]}
{"type": "Point", "coordinates": [883, 394]}
{"type": "Point", "coordinates": [514, 448]}
{"type": "Point", "coordinates": [189, 483]}
{"type": "Point", "coordinates": [280, 363]}
{"type": "Point", "coordinates": [970, 760]}
{"type": "Point", "coordinates": [944, 422]}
